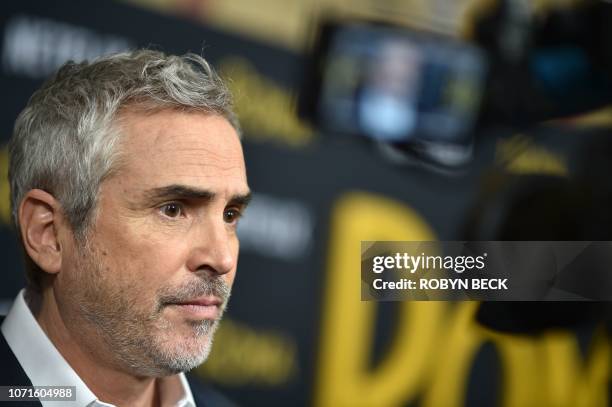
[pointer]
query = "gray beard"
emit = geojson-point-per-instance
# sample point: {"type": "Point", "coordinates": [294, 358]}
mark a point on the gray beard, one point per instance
{"type": "Point", "coordinates": [140, 351]}
{"type": "Point", "coordinates": [143, 344]}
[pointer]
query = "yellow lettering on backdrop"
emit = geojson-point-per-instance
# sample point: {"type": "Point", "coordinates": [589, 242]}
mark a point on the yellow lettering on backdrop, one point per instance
{"type": "Point", "coordinates": [343, 379]}
{"type": "Point", "coordinates": [5, 189]}
{"type": "Point", "coordinates": [453, 359]}
{"type": "Point", "coordinates": [434, 345]}
{"type": "Point", "coordinates": [547, 370]}
{"type": "Point", "coordinates": [521, 368]}
{"type": "Point", "coordinates": [572, 381]}
{"type": "Point", "coordinates": [266, 110]}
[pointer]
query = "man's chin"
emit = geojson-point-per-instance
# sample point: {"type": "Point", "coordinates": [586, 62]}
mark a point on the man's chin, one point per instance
{"type": "Point", "coordinates": [181, 353]}
{"type": "Point", "coordinates": [188, 326]}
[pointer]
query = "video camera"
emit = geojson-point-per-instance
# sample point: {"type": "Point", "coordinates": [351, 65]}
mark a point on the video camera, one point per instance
{"type": "Point", "coordinates": [424, 95]}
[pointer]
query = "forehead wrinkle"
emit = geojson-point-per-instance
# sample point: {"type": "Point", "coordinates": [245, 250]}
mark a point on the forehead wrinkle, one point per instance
{"type": "Point", "coordinates": [180, 165]}
{"type": "Point", "coordinates": [221, 166]}
{"type": "Point", "coordinates": [163, 138]}
{"type": "Point", "coordinates": [195, 159]}
{"type": "Point", "coordinates": [186, 153]}
{"type": "Point", "coordinates": [220, 151]}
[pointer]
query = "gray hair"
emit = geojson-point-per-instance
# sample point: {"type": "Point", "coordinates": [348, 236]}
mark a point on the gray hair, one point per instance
{"type": "Point", "coordinates": [65, 139]}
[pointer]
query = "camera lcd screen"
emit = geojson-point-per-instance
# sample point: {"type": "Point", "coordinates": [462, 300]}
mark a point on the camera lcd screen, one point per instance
{"type": "Point", "coordinates": [399, 86]}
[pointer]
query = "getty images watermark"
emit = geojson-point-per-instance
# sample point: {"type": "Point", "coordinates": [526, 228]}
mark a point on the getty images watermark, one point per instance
{"type": "Point", "coordinates": [486, 270]}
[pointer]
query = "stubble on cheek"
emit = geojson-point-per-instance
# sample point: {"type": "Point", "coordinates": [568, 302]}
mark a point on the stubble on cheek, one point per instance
{"type": "Point", "coordinates": [118, 315]}
{"type": "Point", "coordinates": [130, 319]}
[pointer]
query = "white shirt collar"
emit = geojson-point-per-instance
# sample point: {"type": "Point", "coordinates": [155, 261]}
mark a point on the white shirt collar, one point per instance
{"type": "Point", "coordinates": [45, 366]}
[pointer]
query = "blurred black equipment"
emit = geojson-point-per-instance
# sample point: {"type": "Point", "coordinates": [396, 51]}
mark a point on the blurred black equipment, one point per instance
{"type": "Point", "coordinates": [545, 208]}
{"type": "Point", "coordinates": [424, 95]}
{"type": "Point", "coordinates": [399, 87]}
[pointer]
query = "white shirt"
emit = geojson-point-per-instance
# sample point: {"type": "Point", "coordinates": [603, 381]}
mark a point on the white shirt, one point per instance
{"type": "Point", "coordinates": [45, 366]}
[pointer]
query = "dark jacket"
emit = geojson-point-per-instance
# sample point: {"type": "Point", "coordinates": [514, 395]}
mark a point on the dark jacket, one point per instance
{"type": "Point", "coordinates": [12, 374]}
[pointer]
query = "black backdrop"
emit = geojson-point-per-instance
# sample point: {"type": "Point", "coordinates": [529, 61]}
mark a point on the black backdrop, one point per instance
{"type": "Point", "coordinates": [296, 332]}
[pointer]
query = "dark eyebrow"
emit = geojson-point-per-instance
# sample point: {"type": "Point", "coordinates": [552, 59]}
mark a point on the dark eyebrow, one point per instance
{"type": "Point", "coordinates": [187, 192]}
{"type": "Point", "coordinates": [178, 192]}
{"type": "Point", "coordinates": [241, 200]}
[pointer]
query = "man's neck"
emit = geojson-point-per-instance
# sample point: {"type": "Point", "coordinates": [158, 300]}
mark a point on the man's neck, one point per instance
{"type": "Point", "coordinates": [108, 382]}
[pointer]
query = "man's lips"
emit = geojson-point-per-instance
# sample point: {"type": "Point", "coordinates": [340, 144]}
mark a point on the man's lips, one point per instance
{"type": "Point", "coordinates": [200, 308]}
{"type": "Point", "coordinates": [203, 301]}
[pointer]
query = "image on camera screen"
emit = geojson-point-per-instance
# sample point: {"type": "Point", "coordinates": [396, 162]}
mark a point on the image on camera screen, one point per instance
{"type": "Point", "coordinates": [395, 85]}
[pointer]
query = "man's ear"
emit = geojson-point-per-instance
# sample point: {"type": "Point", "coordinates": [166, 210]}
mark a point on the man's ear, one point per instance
{"type": "Point", "coordinates": [39, 218]}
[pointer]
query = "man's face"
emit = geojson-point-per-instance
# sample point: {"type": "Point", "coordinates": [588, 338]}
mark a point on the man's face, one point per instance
{"type": "Point", "coordinates": [155, 274]}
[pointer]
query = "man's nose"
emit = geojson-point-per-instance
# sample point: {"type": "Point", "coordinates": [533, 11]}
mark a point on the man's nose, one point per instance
{"type": "Point", "coordinates": [214, 248]}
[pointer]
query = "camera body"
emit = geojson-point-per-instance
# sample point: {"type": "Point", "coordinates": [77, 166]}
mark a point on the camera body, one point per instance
{"type": "Point", "coordinates": [424, 95]}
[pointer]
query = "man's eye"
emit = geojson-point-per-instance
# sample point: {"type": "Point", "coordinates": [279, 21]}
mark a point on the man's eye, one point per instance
{"type": "Point", "coordinates": [172, 210]}
{"type": "Point", "coordinates": [231, 215]}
